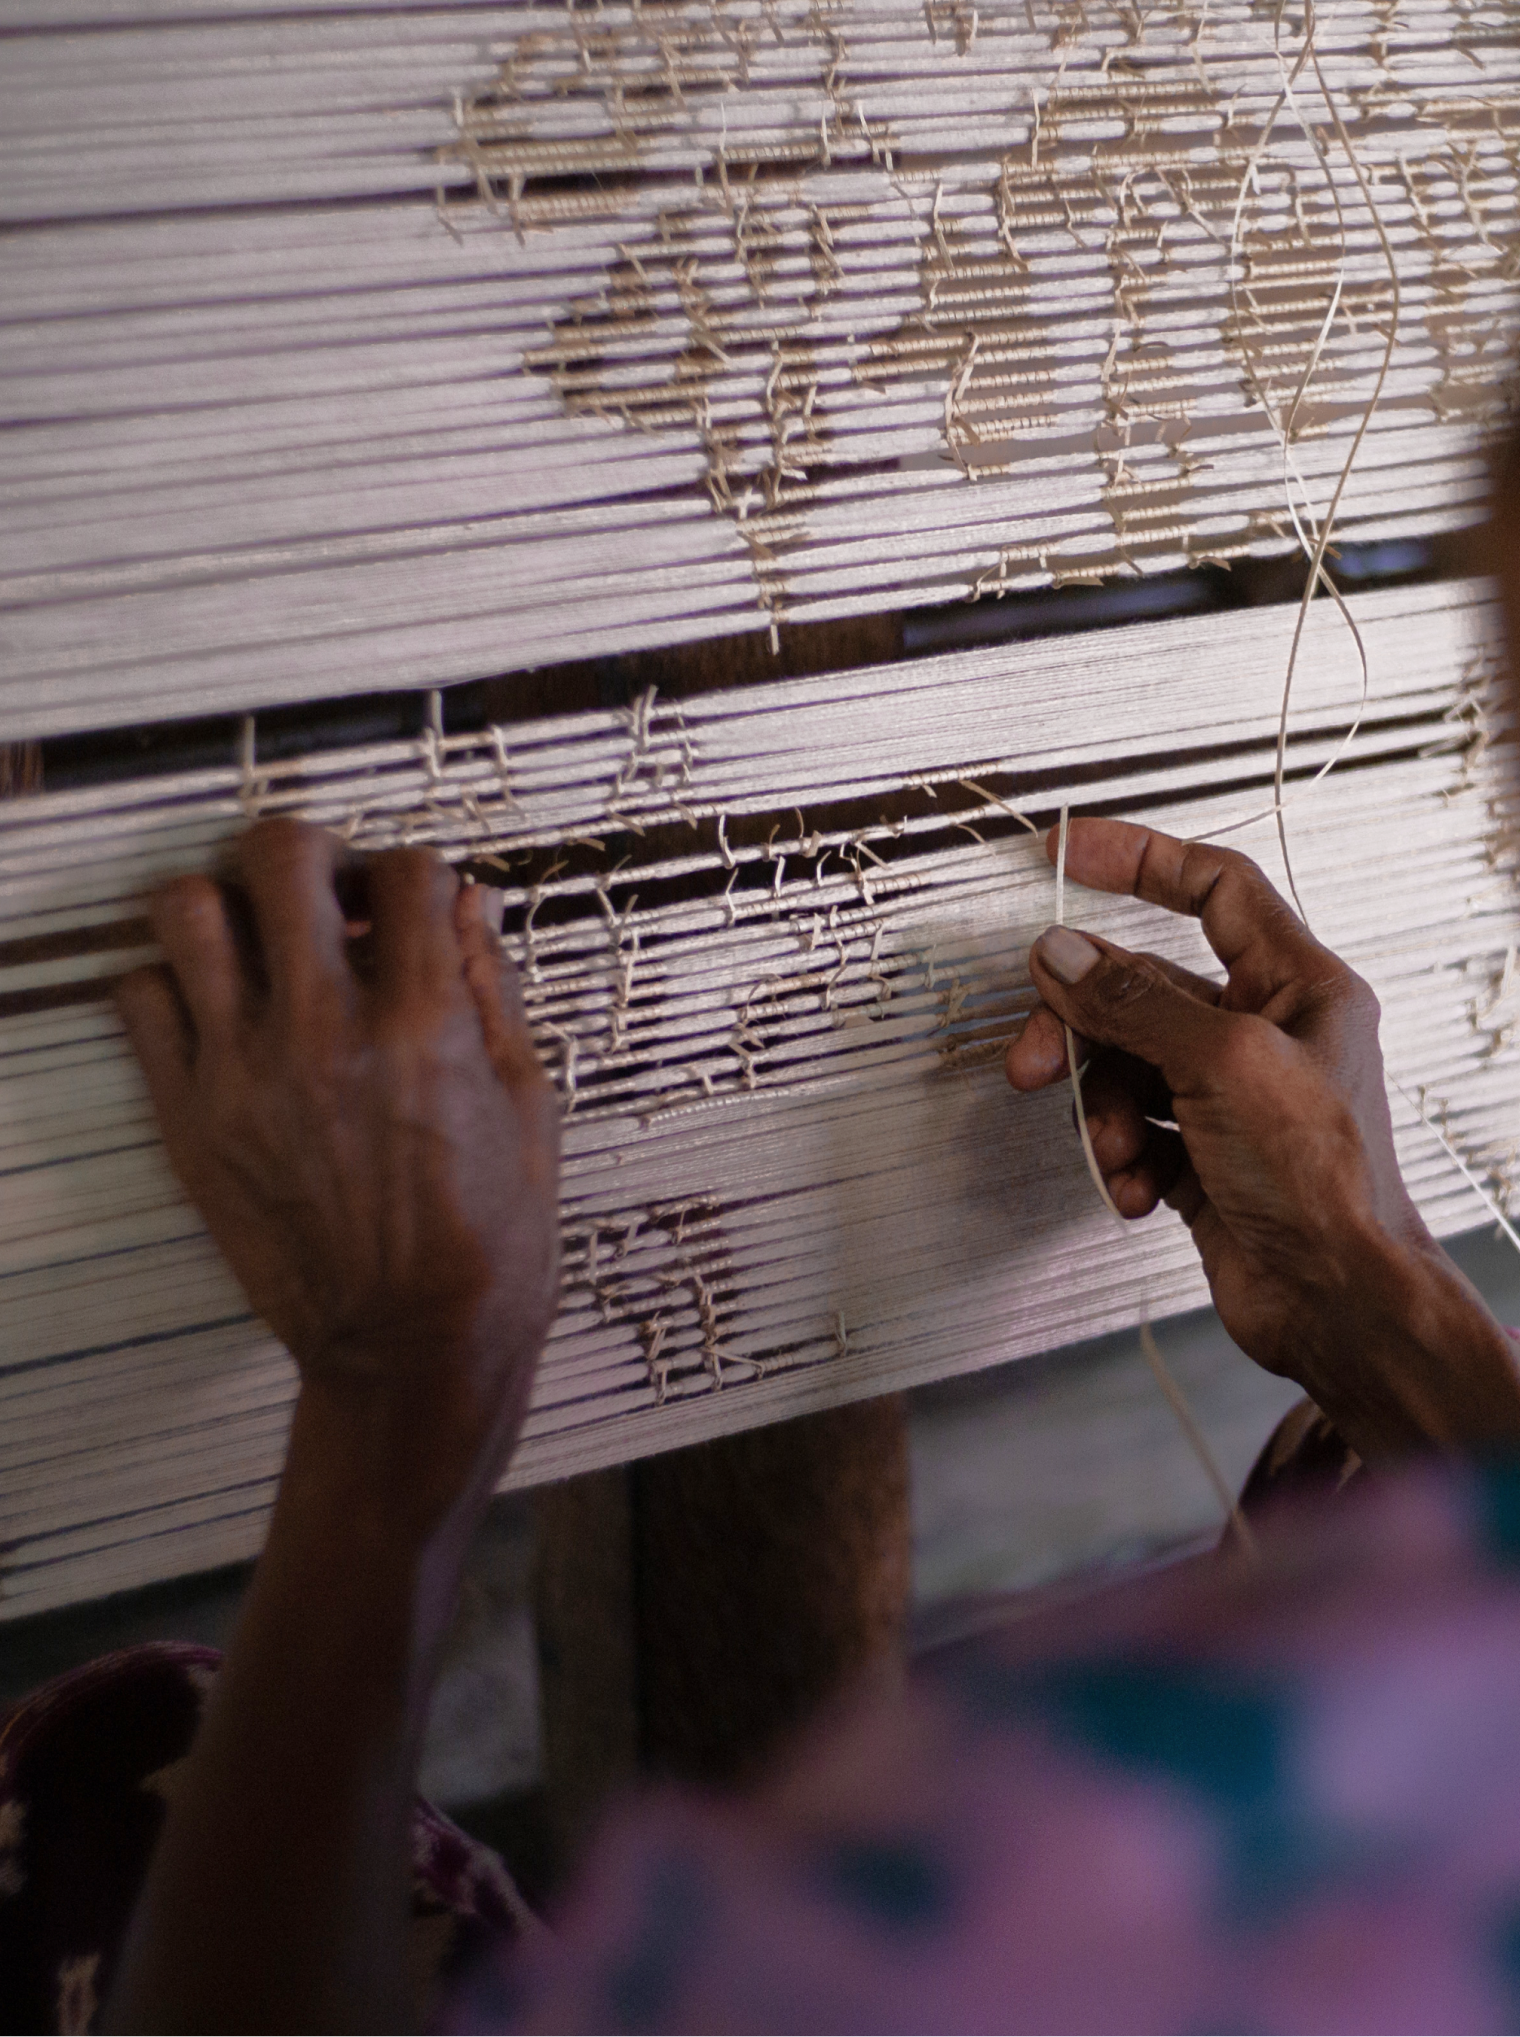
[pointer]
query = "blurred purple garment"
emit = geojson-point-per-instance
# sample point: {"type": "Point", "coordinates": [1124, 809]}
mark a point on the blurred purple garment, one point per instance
{"type": "Point", "coordinates": [1211, 1799]}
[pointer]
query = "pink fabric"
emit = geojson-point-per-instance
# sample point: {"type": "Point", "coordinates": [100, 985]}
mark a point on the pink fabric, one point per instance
{"type": "Point", "coordinates": [1206, 1800]}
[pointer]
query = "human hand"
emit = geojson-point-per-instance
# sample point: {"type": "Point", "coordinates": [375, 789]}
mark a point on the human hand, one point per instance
{"type": "Point", "coordinates": [366, 1129]}
{"type": "Point", "coordinates": [1257, 1109]}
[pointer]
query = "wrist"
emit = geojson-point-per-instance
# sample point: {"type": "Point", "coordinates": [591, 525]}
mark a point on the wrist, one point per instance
{"type": "Point", "coordinates": [1405, 1355]}
{"type": "Point", "coordinates": [416, 1449]}
{"type": "Point", "coordinates": [347, 1538]}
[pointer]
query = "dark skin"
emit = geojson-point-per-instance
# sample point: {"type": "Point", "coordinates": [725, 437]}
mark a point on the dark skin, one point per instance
{"type": "Point", "coordinates": [367, 1132]}
{"type": "Point", "coordinates": [1282, 1162]}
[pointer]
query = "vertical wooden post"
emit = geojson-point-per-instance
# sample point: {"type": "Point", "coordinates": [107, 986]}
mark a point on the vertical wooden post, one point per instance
{"type": "Point", "coordinates": [20, 769]}
{"type": "Point", "coordinates": [587, 1651]}
{"type": "Point", "coordinates": [772, 1571]}
{"type": "Point", "coordinates": [697, 1608]}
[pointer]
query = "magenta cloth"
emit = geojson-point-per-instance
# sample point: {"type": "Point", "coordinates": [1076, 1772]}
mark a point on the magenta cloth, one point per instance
{"type": "Point", "coordinates": [1206, 1800]}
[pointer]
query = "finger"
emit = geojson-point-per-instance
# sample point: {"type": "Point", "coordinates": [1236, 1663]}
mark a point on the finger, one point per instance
{"type": "Point", "coordinates": [1120, 1096]}
{"type": "Point", "coordinates": [416, 954]}
{"type": "Point", "coordinates": [493, 985]}
{"type": "Point", "coordinates": [493, 908]}
{"type": "Point", "coordinates": [1129, 1001]}
{"type": "Point", "coordinates": [1211, 1236]}
{"type": "Point", "coordinates": [1202, 987]}
{"type": "Point", "coordinates": [1213, 1243]}
{"type": "Point", "coordinates": [190, 919]}
{"type": "Point", "coordinates": [286, 869]}
{"type": "Point", "coordinates": [1186, 1196]}
{"type": "Point", "coordinates": [1250, 927]}
{"type": "Point", "coordinates": [1037, 1058]}
{"type": "Point", "coordinates": [1151, 1177]}
{"type": "Point", "coordinates": [158, 1029]}
{"type": "Point", "coordinates": [1138, 1158]}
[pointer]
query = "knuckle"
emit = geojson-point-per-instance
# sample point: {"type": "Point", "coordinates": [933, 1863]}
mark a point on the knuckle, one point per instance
{"type": "Point", "coordinates": [1207, 866]}
{"type": "Point", "coordinates": [279, 838]}
{"type": "Point", "coordinates": [418, 875]}
{"type": "Point", "coordinates": [1201, 864]}
{"type": "Point", "coordinates": [441, 881]}
{"type": "Point", "coordinates": [1359, 999]}
{"type": "Point", "coordinates": [405, 1028]}
{"type": "Point", "coordinates": [1204, 866]}
{"type": "Point", "coordinates": [187, 904]}
{"type": "Point", "coordinates": [412, 862]}
{"type": "Point", "coordinates": [1239, 865]}
{"type": "Point", "coordinates": [139, 995]}
{"type": "Point", "coordinates": [1127, 980]}
{"type": "Point", "coordinates": [1153, 964]}
{"type": "Point", "coordinates": [1249, 1053]}
{"type": "Point", "coordinates": [231, 1121]}
{"type": "Point", "coordinates": [280, 856]}
{"type": "Point", "coordinates": [1347, 1000]}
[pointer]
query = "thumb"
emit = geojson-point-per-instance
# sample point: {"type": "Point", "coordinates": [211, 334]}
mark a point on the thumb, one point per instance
{"type": "Point", "coordinates": [1116, 999]}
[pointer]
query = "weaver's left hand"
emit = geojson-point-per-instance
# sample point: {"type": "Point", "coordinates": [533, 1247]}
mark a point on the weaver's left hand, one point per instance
{"type": "Point", "coordinates": [367, 1131]}
{"type": "Point", "coordinates": [364, 1125]}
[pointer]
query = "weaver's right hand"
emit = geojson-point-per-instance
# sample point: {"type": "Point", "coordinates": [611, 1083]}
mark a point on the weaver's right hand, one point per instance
{"type": "Point", "coordinates": [1257, 1109]}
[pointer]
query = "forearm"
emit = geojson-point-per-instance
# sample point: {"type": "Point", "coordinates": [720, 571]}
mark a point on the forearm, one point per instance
{"type": "Point", "coordinates": [279, 1893]}
{"type": "Point", "coordinates": [1412, 1359]}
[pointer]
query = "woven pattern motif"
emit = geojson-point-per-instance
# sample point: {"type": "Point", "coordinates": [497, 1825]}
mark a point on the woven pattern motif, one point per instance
{"type": "Point", "coordinates": [773, 942]}
{"type": "Point", "coordinates": [643, 324]}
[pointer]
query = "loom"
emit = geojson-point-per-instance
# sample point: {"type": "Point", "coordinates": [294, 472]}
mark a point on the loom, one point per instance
{"type": "Point", "coordinates": [448, 356]}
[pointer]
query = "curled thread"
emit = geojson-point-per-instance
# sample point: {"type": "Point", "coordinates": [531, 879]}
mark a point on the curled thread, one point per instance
{"type": "Point", "coordinates": [1282, 428]}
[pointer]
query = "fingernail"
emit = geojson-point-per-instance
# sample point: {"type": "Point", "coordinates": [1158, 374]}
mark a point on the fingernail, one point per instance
{"type": "Point", "coordinates": [1067, 955]}
{"type": "Point", "coordinates": [493, 906]}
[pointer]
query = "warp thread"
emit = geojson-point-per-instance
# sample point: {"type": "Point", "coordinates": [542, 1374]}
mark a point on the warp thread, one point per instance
{"type": "Point", "coordinates": [1315, 543]}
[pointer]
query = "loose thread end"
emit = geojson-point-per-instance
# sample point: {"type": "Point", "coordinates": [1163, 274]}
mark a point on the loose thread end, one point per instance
{"type": "Point", "coordinates": [1177, 1400]}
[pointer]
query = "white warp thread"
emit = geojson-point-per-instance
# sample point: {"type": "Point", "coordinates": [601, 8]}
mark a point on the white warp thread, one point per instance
{"type": "Point", "coordinates": [780, 1043]}
{"type": "Point", "coordinates": [451, 262]}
